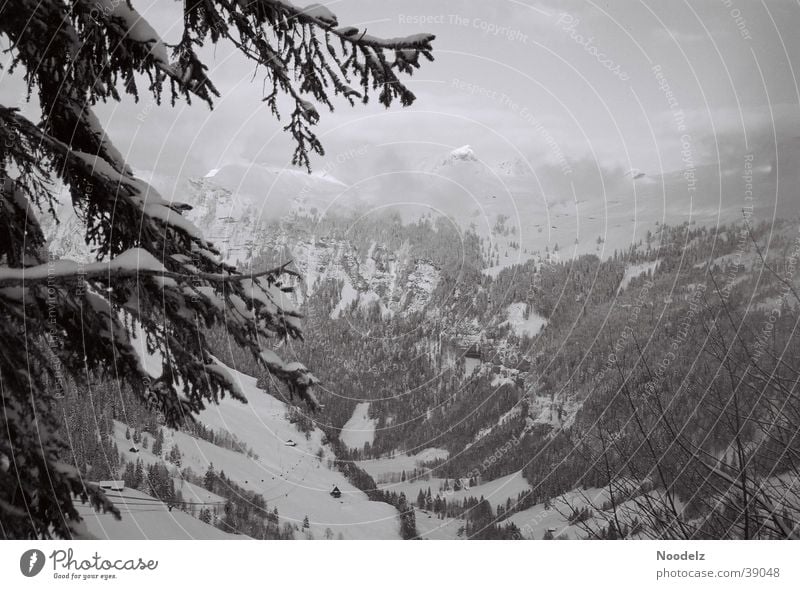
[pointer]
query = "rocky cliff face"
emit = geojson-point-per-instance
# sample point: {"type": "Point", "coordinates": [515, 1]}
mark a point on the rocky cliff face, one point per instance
{"type": "Point", "coordinates": [245, 230]}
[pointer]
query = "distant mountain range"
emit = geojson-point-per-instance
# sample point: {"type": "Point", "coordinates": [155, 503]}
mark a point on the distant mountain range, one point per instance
{"type": "Point", "coordinates": [575, 208]}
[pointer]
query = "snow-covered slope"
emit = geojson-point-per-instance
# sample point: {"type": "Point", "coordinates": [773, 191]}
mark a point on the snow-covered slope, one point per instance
{"type": "Point", "coordinates": [143, 518]}
{"type": "Point", "coordinates": [519, 324]}
{"type": "Point", "coordinates": [292, 471]}
{"type": "Point", "coordinates": [383, 468]}
{"type": "Point", "coordinates": [295, 479]}
{"type": "Point", "coordinates": [496, 492]}
{"type": "Point", "coordinates": [359, 429]}
{"type": "Point", "coordinates": [535, 521]}
{"type": "Point", "coordinates": [635, 271]}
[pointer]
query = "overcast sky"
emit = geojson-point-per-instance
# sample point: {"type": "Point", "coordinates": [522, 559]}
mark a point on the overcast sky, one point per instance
{"type": "Point", "coordinates": [514, 79]}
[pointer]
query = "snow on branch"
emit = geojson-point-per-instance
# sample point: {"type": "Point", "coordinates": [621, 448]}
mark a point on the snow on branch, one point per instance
{"type": "Point", "coordinates": [120, 183]}
{"type": "Point", "coordinates": [131, 263]}
{"type": "Point", "coordinates": [133, 29]}
{"type": "Point", "coordinates": [324, 18]}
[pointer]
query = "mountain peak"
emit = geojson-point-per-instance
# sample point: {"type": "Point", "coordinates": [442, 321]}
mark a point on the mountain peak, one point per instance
{"type": "Point", "coordinates": [451, 159]}
{"type": "Point", "coordinates": [463, 153]}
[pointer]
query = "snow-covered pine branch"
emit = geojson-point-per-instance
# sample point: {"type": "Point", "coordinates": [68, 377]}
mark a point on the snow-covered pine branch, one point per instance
{"type": "Point", "coordinates": [135, 262]}
{"type": "Point", "coordinates": [295, 46]}
{"type": "Point", "coordinates": [155, 274]}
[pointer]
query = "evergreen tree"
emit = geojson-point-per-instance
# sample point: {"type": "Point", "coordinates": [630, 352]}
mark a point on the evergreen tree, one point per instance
{"type": "Point", "coordinates": [158, 442]}
{"type": "Point", "coordinates": [138, 475]}
{"type": "Point", "coordinates": [129, 475]}
{"type": "Point", "coordinates": [210, 478]}
{"type": "Point", "coordinates": [408, 523]}
{"type": "Point", "coordinates": [175, 456]}
{"type": "Point", "coordinates": [73, 56]}
{"type": "Point", "coordinates": [421, 502]}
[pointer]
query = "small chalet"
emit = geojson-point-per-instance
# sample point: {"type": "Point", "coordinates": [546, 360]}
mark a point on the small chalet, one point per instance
{"type": "Point", "coordinates": [112, 485]}
{"type": "Point", "coordinates": [336, 493]}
